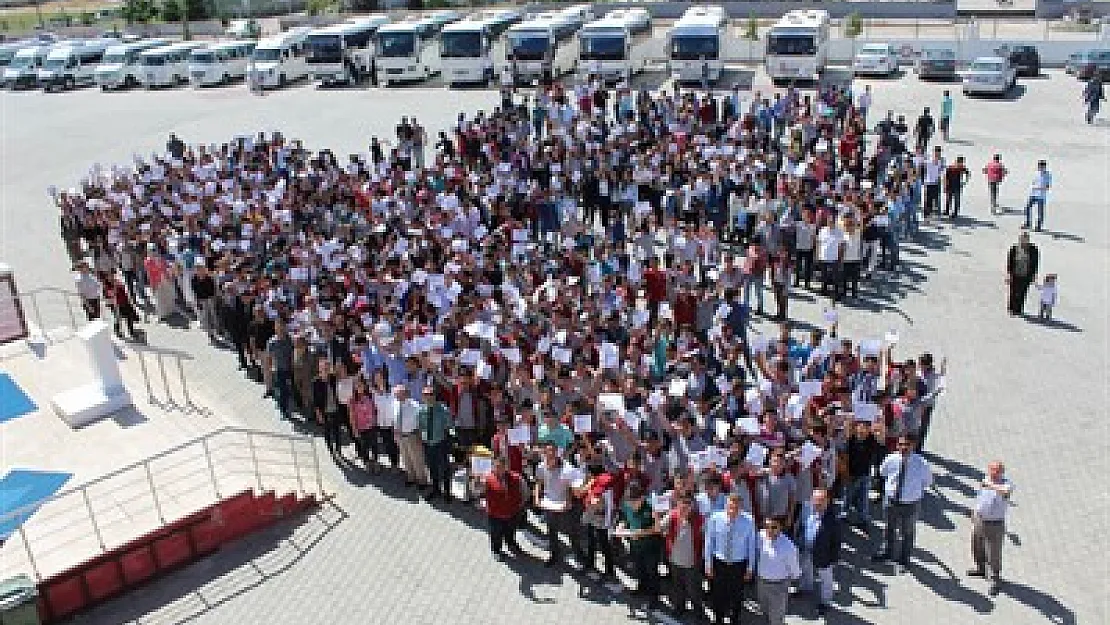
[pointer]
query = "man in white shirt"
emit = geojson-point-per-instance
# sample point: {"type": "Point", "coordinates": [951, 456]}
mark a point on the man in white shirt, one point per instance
{"type": "Point", "coordinates": [906, 476]}
{"type": "Point", "coordinates": [407, 431]}
{"type": "Point", "coordinates": [805, 239]}
{"type": "Point", "coordinates": [777, 566]}
{"type": "Point", "coordinates": [830, 250]}
{"type": "Point", "coordinates": [934, 171]}
{"type": "Point", "coordinates": [88, 287]}
{"type": "Point", "coordinates": [1038, 194]}
{"type": "Point", "coordinates": [988, 520]}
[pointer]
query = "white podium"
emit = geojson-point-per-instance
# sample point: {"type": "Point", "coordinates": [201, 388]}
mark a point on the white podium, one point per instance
{"type": "Point", "coordinates": [106, 394]}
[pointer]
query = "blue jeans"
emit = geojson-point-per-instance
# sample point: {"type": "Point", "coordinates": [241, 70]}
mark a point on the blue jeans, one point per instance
{"type": "Point", "coordinates": [1039, 202]}
{"type": "Point", "coordinates": [855, 496]}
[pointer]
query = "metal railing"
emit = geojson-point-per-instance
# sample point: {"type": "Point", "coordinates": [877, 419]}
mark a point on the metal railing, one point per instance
{"type": "Point", "coordinates": [36, 300]}
{"type": "Point", "coordinates": [164, 378]}
{"type": "Point", "coordinates": [63, 530]}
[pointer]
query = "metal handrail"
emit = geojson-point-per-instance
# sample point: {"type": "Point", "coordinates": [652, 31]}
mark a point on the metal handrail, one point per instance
{"type": "Point", "coordinates": [31, 507]}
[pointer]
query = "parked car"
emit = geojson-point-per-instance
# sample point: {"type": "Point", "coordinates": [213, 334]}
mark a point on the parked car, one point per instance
{"type": "Point", "coordinates": [243, 29]}
{"type": "Point", "coordinates": [936, 63]}
{"type": "Point", "coordinates": [1093, 62]}
{"type": "Point", "coordinates": [1026, 60]}
{"type": "Point", "coordinates": [876, 58]}
{"type": "Point", "coordinates": [989, 74]}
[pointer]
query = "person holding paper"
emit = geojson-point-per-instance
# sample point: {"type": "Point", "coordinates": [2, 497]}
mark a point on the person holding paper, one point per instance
{"type": "Point", "coordinates": [638, 526]}
{"type": "Point", "coordinates": [553, 497]}
{"type": "Point", "coordinates": [683, 531]}
{"type": "Point", "coordinates": [554, 431]}
{"type": "Point", "coordinates": [730, 553]}
{"type": "Point", "coordinates": [598, 515]}
{"type": "Point", "coordinates": [504, 494]}
{"type": "Point", "coordinates": [906, 476]}
{"type": "Point", "coordinates": [818, 537]}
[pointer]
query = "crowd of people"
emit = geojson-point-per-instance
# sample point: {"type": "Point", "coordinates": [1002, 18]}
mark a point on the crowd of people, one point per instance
{"type": "Point", "coordinates": [559, 302]}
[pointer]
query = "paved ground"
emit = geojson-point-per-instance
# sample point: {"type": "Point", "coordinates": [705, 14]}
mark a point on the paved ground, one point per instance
{"type": "Point", "coordinates": [1032, 394]}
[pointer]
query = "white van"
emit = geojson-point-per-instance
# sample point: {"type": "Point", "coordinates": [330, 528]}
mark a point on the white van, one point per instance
{"type": "Point", "coordinates": [72, 65]}
{"type": "Point", "coordinates": [220, 63]}
{"type": "Point", "coordinates": [280, 60]}
{"type": "Point", "coordinates": [23, 71]}
{"type": "Point", "coordinates": [611, 49]}
{"type": "Point", "coordinates": [407, 51]}
{"type": "Point", "coordinates": [167, 66]}
{"type": "Point", "coordinates": [539, 47]}
{"type": "Point", "coordinates": [122, 65]}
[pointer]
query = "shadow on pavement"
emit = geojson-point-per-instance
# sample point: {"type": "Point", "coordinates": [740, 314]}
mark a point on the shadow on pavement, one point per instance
{"type": "Point", "coordinates": [221, 577]}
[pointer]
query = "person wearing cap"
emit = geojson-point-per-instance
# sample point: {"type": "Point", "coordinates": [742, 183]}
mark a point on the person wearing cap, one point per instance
{"type": "Point", "coordinates": [435, 420]}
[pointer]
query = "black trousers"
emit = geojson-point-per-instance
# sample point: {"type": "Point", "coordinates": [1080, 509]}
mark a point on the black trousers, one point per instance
{"type": "Point", "coordinates": [727, 589]}
{"type": "Point", "coordinates": [597, 539]}
{"type": "Point", "coordinates": [830, 278]}
{"type": "Point", "coordinates": [1019, 287]}
{"type": "Point", "coordinates": [502, 532]}
{"type": "Point", "coordinates": [952, 202]}
{"type": "Point", "coordinates": [849, 278]}
{"type": "Point", "coordinates": [803, 267]}
{"type": "Point", "coordinates": [333, 434]}
{"type": "Point", "coordinates": [379, 441]}
{"type": "Point", "coordinates": [932, 199]}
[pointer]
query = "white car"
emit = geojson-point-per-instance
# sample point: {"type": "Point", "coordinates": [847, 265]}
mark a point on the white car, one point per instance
{"type": "Point", "coordinates": [989, 74]}
{"type": "Point", "coordinates": [876, 58]}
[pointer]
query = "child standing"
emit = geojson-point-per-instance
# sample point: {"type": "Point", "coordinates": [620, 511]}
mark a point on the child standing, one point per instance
{"type": "Point", "coordinates": [1048, 296]}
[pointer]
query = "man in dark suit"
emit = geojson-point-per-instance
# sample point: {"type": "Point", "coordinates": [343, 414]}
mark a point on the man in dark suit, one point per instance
{"type": "Point", "coordinates": [818, 537]}
{"type": "Point", "coordinates": [1021, 271]}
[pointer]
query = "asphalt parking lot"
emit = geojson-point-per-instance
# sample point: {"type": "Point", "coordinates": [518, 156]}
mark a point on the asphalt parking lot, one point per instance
{"type": "Point", "coordinates": [1032, 394]}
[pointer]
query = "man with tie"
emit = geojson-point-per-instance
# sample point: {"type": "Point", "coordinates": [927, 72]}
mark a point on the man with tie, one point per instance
{"type": "Point", "coordinates": [777, 567]}
{"type": "Point", "coordinates": [989, 524]}
{"type": "Point", "coordinates": [906, 476]}
{"type": "Point", "coordinates": [730, 549]}
{"type": "Point", "coordinates": [818, 537]}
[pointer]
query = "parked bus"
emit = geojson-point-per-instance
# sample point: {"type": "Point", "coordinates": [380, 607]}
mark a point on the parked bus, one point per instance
{"type": "Point", "coordinates": [407, 51]}
{"type": "Point", "coordinates": [542, 46]}
{"type": "Point", "coordinates": [638, 20]}
{"type": "Point", "coordinates": [798, 46]}
{"type": "Point", "coordinates": [72, 64]}
{"type": "Point", "coordinates": [343, 53]}
{"type": "Point", "coordinates": [279, 60]}
{"type": "Point", "coordinates": [611, 49]}
{"type": "Point", "coordinates": [695, 43]}
{"type": "Point", "coordinates": [167, 66]}
{"type": "Point", "coordinates": [499, 20]}
{"type": "Point", "coordinates": [23, 71]}
{"type": "Point", "coordinates": [121, 67]}
{"type": "Point", "coordinates": [220, 63]}
{"type": "Point", "coordinates": [467, 50]}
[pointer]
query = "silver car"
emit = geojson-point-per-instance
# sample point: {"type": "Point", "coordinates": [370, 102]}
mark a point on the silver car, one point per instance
{"type": "Point", "coordinates": [989, 74]}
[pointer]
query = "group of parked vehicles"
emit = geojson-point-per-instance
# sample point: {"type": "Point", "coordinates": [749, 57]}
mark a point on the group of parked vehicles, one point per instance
{"type": "Point", "coordinates": [996, 74]}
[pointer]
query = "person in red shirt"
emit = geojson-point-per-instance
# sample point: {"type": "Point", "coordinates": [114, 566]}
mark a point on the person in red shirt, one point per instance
{"type": "Point", "coordinates": [655, 283]}
{"type": "Point", "coordinates": [504, 503]}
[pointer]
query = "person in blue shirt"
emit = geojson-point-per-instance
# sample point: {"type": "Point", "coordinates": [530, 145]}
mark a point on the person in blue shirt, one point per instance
{"type": "Point", "coordinates": [945, 114]}
{"type": "Point", "coordinates": [730, 552]}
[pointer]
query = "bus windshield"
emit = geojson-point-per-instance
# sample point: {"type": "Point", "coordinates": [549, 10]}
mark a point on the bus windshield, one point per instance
{"type": "Point", "coordinates": [460, 45]}
{"type": "Point", "coordinates": [324, 49]}
{"type": "Point", "coordinates": [694, 47]}
{"type": "Point", "coordinates": [203, 58]}
{"type": "Point", "coordinates": [791, 45]}
{"type": "Point", "coordinates": [154, 61]}
{"type": "Point", "coordinates": [393, 45]}
{"type": "Point", "coordinates": [528, 47]}
{"type": "Point", "coordinates": [602, 48]}
{"type": "Point", "coordinates": [55, 63]}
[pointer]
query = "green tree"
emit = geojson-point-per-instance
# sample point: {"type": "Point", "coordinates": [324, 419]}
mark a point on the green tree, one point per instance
{"type": "Point", "coordinates": [751, 28]}
{"type": "Point", "coordinates": [197, 9]}
{"type": "Point", "coordinates": [139, 11]}
{"type": "Point", "coordinates": [320, 7]}
{"type": "Point", "coordinates": [171, 11]}
{"type": "Point", "coordinates": [853, 25]}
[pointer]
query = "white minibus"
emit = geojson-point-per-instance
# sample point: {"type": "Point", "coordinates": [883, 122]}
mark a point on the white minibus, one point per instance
{"type": "Point", "coordinates": [220, 63]}
{"type": "Point", "coordinates": [798, 46]}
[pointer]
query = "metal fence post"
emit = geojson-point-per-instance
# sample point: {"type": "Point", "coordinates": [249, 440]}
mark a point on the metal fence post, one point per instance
{"type": "Point", "coordinates": [254, 460]}
{"type": "Point", "coordinates": [296, 465]}
{"type": "Point", "coordinates": [69, 308]}
{"type": "Point", "coordinates": [146, 375]}
{"type": "Point", "coordinates": [153, 491]}
{"type": "Point", "coordinates": [316, 464]}
{"type": "Point", "coordinates": [211, 468]}
{"type": "Point", "coordinates": [38, 313]}
{"type": "Point", "coordinates": [30, 555]}
{"type": "Point", "coordinates": [184, 385]}
{"type": "Point", "coordinates": [165, 381]}
{"type": "Point", "coordinates": [92, 519]}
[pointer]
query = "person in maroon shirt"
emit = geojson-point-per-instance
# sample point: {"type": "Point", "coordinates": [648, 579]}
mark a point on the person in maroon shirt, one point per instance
{"type": "Point", "coordinates": [655, 283]}
{"type": "Point", "coordinates": [504, 503]}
